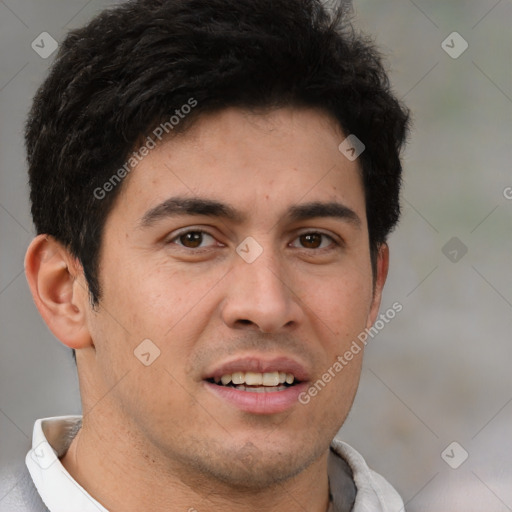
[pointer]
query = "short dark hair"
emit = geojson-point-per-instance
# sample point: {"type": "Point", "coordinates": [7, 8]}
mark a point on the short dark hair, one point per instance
{"type": "Point", "coordinates": [134, 65]}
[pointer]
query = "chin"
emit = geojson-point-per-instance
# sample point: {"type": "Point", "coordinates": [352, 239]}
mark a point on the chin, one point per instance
{"type": "Point", "coordinates": [252, 468]}
{"type": "Point", "coordinates": [255, 477]}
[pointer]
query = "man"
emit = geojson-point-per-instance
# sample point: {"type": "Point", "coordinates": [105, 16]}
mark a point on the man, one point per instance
{"type": "Point", "coordinates": [212, 184]}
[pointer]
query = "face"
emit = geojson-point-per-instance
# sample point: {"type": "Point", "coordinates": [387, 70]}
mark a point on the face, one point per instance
{"type": "Point", "coordinates": [240, 250]}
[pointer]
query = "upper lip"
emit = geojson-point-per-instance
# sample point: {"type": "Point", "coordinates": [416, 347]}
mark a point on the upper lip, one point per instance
{"type": "Point", "coordinates": [260, 364]}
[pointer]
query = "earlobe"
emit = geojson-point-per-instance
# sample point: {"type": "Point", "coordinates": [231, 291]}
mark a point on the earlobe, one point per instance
{"type": "Point", "coordinates": [382, 267]}
{"type": "Point", "coordinates": [54, 278]}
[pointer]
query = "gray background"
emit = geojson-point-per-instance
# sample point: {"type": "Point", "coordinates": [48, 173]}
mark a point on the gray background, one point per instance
{"type": "Point", "coordinates": [440, 371]}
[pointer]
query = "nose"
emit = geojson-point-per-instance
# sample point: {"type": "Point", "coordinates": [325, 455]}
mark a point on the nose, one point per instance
{"type": "Point", "coordinates": [260, 296]}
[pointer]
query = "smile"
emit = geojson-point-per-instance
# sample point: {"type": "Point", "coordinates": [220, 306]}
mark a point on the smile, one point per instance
{"type": "Point", "coordinates": [258, 385]}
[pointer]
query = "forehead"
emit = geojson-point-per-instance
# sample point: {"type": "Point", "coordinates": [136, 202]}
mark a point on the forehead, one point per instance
{"type": "Point", "coordinates": [257, 163]}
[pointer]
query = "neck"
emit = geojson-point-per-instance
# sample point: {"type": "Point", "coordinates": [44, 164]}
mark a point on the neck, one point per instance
{"type": "Point", "coordinates": [123, 473]}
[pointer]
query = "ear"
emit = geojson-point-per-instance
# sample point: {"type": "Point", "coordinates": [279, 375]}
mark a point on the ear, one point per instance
{"type": "Point", "coordinates": [382, 266]}
{"type": "Point", "coordinates": [59, 291]}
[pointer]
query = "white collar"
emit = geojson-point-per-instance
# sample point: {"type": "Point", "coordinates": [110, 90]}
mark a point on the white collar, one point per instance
{"type": "Point", "coordinates": [374, 492]}
{"type": "Point", "coordinates": [57, 488]}
{"type": "Point", "coordinates": [61, 493]}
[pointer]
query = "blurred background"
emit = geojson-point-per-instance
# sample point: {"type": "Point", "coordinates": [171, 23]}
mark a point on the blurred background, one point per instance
{"type": "Point", "coordinates": [434, 408]}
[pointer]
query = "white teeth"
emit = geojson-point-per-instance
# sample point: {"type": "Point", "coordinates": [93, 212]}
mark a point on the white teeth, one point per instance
{"type": "Point", "coordinates": [253, 379]}
{"type": "Point", "coordinates": [269, 379]}
{"type": "Point", "coordinates": [261, 389]}
{"type": "Point", "coordinates": [238, 378]}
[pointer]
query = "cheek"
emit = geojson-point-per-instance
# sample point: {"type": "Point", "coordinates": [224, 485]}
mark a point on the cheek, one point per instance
{"type": "Point", "coordinates": [342, 303]}
{"type": "Point", "coordinates": [169, 306]}
{"type": "Point", "coordinates": [169, 299]}
{"type": "Point", "coordinates": [148, 298]}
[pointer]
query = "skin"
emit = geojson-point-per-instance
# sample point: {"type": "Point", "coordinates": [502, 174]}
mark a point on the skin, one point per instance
{"type": "Point", "coordinates": [154, 437]}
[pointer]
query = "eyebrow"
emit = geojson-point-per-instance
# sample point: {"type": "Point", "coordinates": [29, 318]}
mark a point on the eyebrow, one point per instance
{"type": "Point", "coordinates": [320, 209]}
{"type": "Point", "coordinates": [177, 206]}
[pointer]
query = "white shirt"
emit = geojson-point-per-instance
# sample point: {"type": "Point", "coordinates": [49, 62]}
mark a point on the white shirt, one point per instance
{"type": "Point", "coordinates": [58, 489]}
{"type": "Point", "coordinates": [354, 487]}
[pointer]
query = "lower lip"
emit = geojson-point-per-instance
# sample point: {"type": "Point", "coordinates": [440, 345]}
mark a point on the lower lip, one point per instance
{"type": "Point", "coordinates": [270, 402]}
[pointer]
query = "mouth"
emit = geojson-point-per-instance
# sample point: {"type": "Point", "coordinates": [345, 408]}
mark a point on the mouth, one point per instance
{"type": "Point", "coordinates": [258, 385]}
{"type": "Point", "coordinates": [255, 382]}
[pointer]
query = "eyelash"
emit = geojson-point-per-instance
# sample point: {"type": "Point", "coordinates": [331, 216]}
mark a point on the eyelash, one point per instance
{"type": "Point", "coordinates": [334, 243]}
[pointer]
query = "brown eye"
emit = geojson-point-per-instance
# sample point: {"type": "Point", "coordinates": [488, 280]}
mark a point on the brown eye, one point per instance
{"type": "Point", "coordinates": [315, 240]}
{"type": "Point", "coordinates": [194, 239]}
{"type": "Point", "coordinates": [311, 240]}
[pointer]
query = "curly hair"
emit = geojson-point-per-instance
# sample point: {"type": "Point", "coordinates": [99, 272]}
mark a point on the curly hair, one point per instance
{"type": "Point", "coordinates": [134, 65]}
